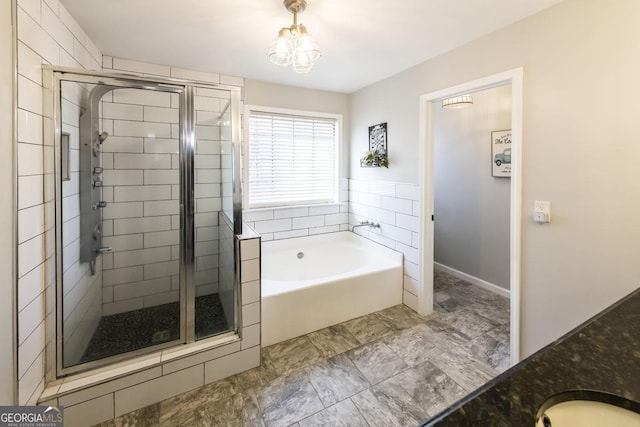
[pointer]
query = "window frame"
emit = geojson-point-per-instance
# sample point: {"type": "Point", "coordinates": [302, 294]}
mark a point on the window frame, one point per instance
{"type": "Point", "coordinates": [292, 112]}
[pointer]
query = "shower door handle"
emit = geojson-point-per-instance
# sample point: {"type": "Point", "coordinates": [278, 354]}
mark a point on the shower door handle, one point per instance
{"type": "Point", "coordinates": [181, 216]}
{"type": "Point", "coordinates": [104, 250]}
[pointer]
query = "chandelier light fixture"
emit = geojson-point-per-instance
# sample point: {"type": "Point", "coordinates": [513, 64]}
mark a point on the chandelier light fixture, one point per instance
{"type": "Point", "coordinates": [294, 46]}
{"type": "Point", "coordinates": [457, 102]}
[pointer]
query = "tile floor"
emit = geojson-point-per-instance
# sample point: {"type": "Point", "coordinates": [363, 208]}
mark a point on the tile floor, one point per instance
{"type": "Point", "coordinates": [390, 368]}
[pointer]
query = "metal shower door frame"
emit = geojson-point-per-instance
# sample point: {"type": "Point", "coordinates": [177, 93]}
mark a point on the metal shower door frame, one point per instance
{"type": "Point", "coordinates": [52, 80]}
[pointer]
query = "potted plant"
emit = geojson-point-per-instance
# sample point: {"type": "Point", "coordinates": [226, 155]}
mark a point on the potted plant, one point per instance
{"type": "Point", "coordinates": [375, 158]}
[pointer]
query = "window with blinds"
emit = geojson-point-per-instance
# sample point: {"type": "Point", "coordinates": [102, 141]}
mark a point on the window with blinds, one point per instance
{"type": "Point", "coordinates": [292, 159]}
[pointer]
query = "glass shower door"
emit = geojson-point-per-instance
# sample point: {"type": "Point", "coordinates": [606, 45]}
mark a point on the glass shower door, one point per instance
{"type": "Point", "coordinates": [120, 224]}
{"type": "Point", "coordinates": [215, 301]}
{"type": "Point", "coordinates": [147, 209]}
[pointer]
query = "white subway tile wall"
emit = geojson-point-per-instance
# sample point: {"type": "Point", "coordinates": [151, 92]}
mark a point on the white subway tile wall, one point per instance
{"type": "Point", "coordinates": [395, 207]}
{"type": "Point", "coordinates": [46, 35]}
{"type": "Point", "coordinates": [210, 143]}
{"type": "Point", "coordinates": [288, 222]}
{"type": "Point", "coordinates": [142, 267]}
{"type": "Point", "coordinates": [141, 188]}
{"type": "Point", "coordinates": [227, 268]}
{"type": "Point", "coordinates": [134, 192]}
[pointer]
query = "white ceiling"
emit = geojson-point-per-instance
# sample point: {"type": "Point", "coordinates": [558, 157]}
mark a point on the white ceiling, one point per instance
{"type": "Point", "coordinates": [363, 41]}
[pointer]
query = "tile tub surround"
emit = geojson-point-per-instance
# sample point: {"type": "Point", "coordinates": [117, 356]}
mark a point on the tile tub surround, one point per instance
{"type": "Point", "coordinates": [396, 208]}
{"type": "Point", "coordinates": [301, 221]}
{"type": "Point", "coordinates": [369, 371]}
{"type": "Point", "coordinates": [602, 354]}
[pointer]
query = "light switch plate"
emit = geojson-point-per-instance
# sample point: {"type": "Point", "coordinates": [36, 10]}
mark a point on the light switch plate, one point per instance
{"type": "Point", "coordinates": [544, 208]}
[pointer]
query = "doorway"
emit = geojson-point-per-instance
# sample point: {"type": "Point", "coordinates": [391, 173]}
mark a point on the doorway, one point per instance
{"type": "Point", "coordinates": [427, 167]}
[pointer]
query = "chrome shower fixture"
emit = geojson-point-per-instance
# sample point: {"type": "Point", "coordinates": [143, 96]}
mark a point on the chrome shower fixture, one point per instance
{"type": "Point", "coordinates": [103, 136]}
{"type": "Point", "coordinates": [366, 223]}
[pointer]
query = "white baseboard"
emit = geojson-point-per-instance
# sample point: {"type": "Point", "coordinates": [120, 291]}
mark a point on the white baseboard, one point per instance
{"type": "Point", "coordinates": [473, 280]}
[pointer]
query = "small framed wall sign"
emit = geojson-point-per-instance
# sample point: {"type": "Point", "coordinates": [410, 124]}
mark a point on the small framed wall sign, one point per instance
{"type": "Point", "coordinates": [501, 153]}
{"type": "Point", "coordinates": [378, 138]}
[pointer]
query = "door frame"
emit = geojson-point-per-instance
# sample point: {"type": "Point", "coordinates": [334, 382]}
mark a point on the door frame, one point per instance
{"type": "Point", "coordinates": [426, 174]}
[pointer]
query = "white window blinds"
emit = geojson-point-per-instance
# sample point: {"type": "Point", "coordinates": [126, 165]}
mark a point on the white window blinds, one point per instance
{"type": "Point", "coordinates": [292, 160]}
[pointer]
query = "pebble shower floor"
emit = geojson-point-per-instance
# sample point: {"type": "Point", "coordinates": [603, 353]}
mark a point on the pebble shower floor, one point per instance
{"type": "Point", "coordinates": [133, 330]}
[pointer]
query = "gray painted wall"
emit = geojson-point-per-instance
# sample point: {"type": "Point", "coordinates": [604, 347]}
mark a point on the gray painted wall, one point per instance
{"type": "Point", "coordinates": [580, 144]}
{"type": "Point", "coordinates": [7, 236]}
{"type": "Point", "coordinates": [471, 206]}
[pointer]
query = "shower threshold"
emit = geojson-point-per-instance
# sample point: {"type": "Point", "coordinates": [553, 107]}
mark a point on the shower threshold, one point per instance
{"type": "Point", "coordinates": [133, 330]}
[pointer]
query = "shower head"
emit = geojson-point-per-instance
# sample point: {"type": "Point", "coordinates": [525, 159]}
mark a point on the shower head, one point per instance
{"type": "Point", "coordinates": [103, 136]}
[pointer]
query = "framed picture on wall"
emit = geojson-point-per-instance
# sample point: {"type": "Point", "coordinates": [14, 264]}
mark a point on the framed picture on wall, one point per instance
{"type": "Point", "coordinates": [501, 153]}
{"type": "Point", "coordinates": [378, 138]}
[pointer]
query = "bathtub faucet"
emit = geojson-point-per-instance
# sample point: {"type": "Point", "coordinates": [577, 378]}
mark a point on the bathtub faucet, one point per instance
{"type": "Point", "coordinates": [364, 224]}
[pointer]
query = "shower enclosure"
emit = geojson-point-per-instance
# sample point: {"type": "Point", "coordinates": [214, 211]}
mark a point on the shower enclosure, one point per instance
{"type": "Point", "coordinates": [147, 194]}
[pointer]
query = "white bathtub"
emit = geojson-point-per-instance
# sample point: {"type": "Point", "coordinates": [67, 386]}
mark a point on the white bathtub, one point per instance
{"type": "Point", "coordinates": [340, 276]}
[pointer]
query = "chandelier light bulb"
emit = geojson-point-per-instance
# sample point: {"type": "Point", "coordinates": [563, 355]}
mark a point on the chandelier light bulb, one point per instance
{"type": "Point", "coordinates": [302, 64]}
{"type": "Point", "coordinates": [281, 49]}
{"type": "Point", "coordinates": [307, 45]}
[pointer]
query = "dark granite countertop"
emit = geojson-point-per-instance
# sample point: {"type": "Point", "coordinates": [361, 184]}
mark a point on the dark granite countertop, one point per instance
{"type": "Point", "coordinates": [602, 354]}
